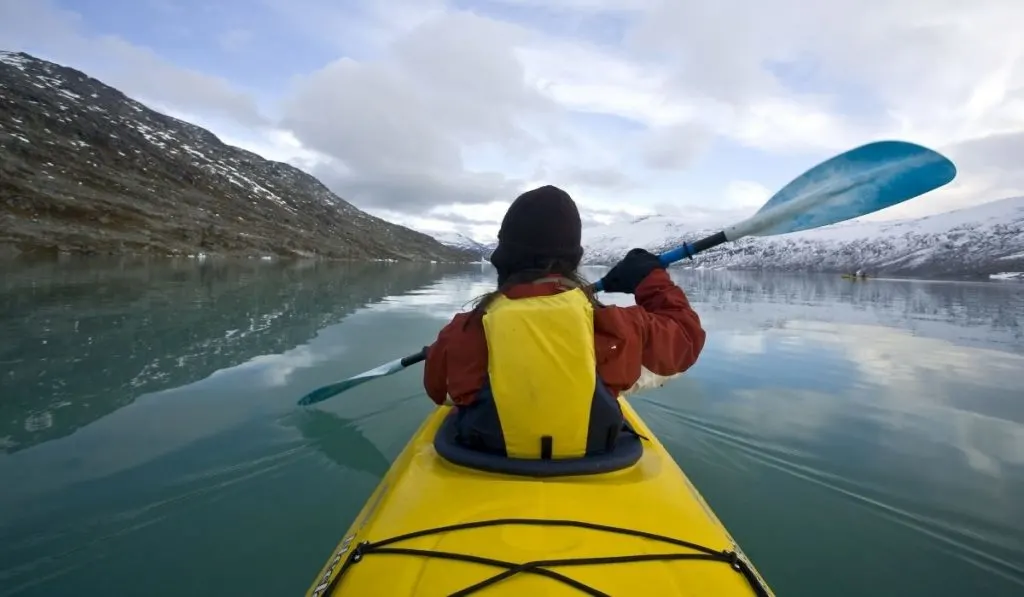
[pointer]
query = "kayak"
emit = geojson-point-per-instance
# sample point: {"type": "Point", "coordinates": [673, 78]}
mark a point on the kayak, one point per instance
{"type": "Point", "coordinates": [434, 527]}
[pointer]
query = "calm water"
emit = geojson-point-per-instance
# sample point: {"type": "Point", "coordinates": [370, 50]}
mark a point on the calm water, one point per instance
{"type": "Point", "coordinates": [856, 437]}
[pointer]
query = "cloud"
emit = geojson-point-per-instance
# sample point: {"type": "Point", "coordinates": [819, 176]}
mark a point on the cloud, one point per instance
{"type": "Point", "coordinates": [412, 190]}
{"type": "Point", "coordinates": [361, 29]}
{"type": "Point", "coordinates": [589, 176]}
{"type": "Point", "coordinates": [400, 125]}
{"type": "Point", "coordinates": [994, 154]}
{"type": "Point", "coordinates": [783, 76]}
{"type": "Point", "coordinates": [55, 34]}
{"type": "Point", "coordinates": [675, 147]}
{"type": "Point", "coordinates": [745, 194]}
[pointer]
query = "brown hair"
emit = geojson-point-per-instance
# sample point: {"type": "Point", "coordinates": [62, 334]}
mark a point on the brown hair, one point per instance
{"type": "Point", "coordinates": [554, 267]}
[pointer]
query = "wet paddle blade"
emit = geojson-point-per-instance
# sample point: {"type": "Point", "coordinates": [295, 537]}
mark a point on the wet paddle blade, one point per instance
{"type": "Point", "coordinates": [325, 392]}
{"type": "Point", "coordinates": [858, 182]}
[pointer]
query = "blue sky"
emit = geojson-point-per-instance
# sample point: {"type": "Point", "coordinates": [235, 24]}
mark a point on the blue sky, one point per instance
{"type": "Point", "coordinates": [437, 114]}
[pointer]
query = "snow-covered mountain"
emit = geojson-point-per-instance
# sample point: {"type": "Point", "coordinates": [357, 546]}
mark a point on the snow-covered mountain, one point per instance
{"type": "Point", "coordinates": [460, 241]}
{"type": "Point", "coordinates": [976, 241]}
{"type": "Point", "coordinates": [86, 169]}
{"type": "Point", "coordinates": [457, 240]}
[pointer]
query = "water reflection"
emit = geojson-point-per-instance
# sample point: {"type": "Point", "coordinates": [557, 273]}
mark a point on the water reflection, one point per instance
{"type": "Point", "coordinates": [341, 440]}
{"type": "Point", "coordinates": [82, 338]}
{"type": "Point", "coordinates": [923, 431]}
{"type": "Point", "coordinates": [982, 314]}
{"type": "Point", "coordinates": [852, 435]}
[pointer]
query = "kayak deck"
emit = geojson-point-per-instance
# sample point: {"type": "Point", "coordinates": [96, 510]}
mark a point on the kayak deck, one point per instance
{"type": "Point", "coordinates": [435, 528]}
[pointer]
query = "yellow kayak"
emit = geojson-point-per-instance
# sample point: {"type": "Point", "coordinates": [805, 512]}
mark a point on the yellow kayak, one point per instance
{"type": "Point", "coordinates": [433, 527]}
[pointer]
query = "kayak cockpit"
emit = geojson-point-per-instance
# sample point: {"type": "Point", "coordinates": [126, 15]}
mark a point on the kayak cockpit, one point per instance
{"type": "Point", "coordinates": [626, 452]}
{"type": "Point", "coordinates": [433, 526]}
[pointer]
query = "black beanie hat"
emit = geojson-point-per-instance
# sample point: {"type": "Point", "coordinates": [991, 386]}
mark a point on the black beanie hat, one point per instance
{"type": "Point", "coordinates": [540, 225]}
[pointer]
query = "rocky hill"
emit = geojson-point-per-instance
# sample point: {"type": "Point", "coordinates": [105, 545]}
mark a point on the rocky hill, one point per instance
{"type": "Point", "coordinates": [975, 242]}
{"type": "Point", "coordinates": [85, 169]}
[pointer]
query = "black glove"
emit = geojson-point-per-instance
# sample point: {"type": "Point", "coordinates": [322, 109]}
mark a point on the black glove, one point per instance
{"type": "Point", "coordinates": [628, 273]}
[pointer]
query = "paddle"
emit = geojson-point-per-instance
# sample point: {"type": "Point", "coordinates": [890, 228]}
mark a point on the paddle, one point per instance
{"type": "Point", "coordinates": [852, 184]}
{"type": "Point", "coordinates": [333, 389]}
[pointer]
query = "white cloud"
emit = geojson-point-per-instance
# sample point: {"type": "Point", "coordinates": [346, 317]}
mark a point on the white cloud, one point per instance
{"type": "Point", "coordinates": [401, 124]}
{"type": "Point", "coordinates": [675, 147]}
{"type": "Point", "coordinates": [581, 77]}
{"type": "Point", "coordinates": [745, 194]}
{"type": "Point", "coordinates": [51, 33]}
{"type": "Point", "coordinates": [426, 112]}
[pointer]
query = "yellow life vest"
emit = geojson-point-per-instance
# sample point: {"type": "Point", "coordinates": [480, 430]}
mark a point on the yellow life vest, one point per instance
{"type": "Point", "coordinates": [542, 372]}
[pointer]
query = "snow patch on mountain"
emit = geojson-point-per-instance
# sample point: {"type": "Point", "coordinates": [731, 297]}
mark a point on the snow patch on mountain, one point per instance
{"type": "Point", "coordinates": [976, 241]}
{"type": "Point", "coordinates": [458, 240]}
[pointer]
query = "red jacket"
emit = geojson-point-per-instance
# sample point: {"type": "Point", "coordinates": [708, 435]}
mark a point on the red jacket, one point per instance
{"type": "Point", "coordinates": [661, 332]}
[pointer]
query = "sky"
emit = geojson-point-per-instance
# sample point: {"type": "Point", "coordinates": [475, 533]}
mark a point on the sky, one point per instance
{"type": "Point", "coordinates": [436, 114]}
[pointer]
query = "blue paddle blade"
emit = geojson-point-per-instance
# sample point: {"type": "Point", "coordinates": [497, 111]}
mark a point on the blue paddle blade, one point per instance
{"type": "Point", "coordinates": [325, 392]}
{"type": "Point", "coordinates": [855, 183]}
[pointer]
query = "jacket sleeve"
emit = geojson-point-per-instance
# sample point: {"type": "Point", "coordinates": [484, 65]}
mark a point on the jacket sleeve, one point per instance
{"type": "Point", "coordinates": [456, 364]}
{"type": "Point", "coordinates": [644, 345]}
{"type": "Point", "coordinates": [435, 367]}
{"type": "Point", "coordinates": [672, 334]}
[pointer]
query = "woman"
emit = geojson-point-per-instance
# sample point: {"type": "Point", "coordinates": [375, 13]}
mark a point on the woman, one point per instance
{"type": "Point", "coordinates": [535, 369]}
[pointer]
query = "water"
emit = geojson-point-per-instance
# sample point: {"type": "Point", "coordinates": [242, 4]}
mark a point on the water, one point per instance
{"type": "Point", "coordinates": [856, 437]}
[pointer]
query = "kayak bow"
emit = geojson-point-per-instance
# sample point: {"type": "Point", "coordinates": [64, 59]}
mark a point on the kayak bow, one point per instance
{"type": "Point", "coordinates": [432, 527]}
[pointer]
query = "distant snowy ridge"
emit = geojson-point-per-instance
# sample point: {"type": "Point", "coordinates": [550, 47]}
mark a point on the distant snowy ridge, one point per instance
{"type": "Point", "coordinates": [460, 241]}
{"type": "Point", "coordinates": [456, 240]}
{"type": "Point", "coordinates": [976, 241]}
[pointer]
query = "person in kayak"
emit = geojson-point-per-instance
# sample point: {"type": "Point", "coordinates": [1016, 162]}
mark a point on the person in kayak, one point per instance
{"type": "Point", "coordinates": [535, 369]}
